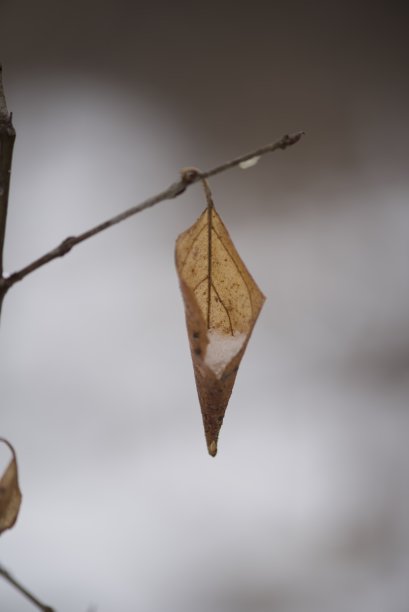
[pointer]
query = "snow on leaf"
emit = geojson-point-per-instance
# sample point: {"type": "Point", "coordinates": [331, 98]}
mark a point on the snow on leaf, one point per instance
{"type": "Point", "coordinates": [10, 495]}
{"type": "Point", "coordinates": [222, 303]}
{"type": "Point", "coordinates": [221, 349]}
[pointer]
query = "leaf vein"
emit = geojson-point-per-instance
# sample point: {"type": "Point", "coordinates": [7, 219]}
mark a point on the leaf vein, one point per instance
{"type": "Point", "coordinates": [191, 246]}
{"type": "Point", "coordinates": [225, 308]}
{"type": "Point", "coordinates": [237, 268]}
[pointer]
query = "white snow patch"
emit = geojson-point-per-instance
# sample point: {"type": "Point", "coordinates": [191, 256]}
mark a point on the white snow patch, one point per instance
{"type": "Point", "coordinates": [249, 163]}
{"type": "Point", "coordinates": [221, 349]}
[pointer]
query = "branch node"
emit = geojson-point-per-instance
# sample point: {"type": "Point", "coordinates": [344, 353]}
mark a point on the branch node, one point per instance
{"type": "Point", "coordinates": [66, 245]}
{"type": "Point", "coordinates": [289, 140]}
{"type": "Point", "coordinates": [190, 175]}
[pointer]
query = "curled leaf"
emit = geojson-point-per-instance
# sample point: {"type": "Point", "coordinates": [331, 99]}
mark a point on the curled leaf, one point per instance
{"type": "Point", "coordinates": [10, 494]}
{"type": "Point", "coordinates": [222, 303]}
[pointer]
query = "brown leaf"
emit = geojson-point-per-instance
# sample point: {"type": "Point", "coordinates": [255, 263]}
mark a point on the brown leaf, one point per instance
{"type": "Point", "coordinates": [222, 303]}
{"type": "Point", "coordinates": [10, 495]}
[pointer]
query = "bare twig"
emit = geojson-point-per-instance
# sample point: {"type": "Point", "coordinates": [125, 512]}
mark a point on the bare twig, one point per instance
{"type": "Point", "coordinates": [189, 177]}
{"type": "Point", "coordinates": [7, 137]}
{"type": "Point", "coordinates": [24, 591]}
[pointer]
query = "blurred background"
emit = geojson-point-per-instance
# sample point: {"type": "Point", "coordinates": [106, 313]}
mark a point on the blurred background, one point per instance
{"type": "Point", "coordinates": [306, 506]}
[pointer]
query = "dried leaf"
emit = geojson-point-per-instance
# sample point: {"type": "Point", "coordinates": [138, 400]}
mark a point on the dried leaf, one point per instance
{"type": "Point", "coordinates": [222, 303]}
{"type": "Point", "coordinates": [10, 495]}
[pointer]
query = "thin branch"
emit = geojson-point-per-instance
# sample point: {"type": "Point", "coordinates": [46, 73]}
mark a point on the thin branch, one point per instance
{"type": "Point", "coordinates": [283, 143]}
{"type": "Point", "coordinates": [24, 591]}
{"type": "Point", "coordinates": [7, 137]}
{"type": "Point", "coordinates": [188, 177]}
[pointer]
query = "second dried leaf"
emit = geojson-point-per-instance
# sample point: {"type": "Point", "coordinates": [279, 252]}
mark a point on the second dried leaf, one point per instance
{"type": "Point", "coordinates": [10, 494]}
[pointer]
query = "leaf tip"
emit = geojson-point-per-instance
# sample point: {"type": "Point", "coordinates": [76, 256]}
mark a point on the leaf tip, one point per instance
{"type": "Point", "coordinates": [212, 448]}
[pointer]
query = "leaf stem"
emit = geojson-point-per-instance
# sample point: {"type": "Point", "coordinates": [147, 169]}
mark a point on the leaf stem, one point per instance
{"type": "Point", "coordinates": [210, 205]}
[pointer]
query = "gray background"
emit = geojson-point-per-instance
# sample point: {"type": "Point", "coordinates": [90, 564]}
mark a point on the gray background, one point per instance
{"type": "Point", "coordinates": [306, 506]}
